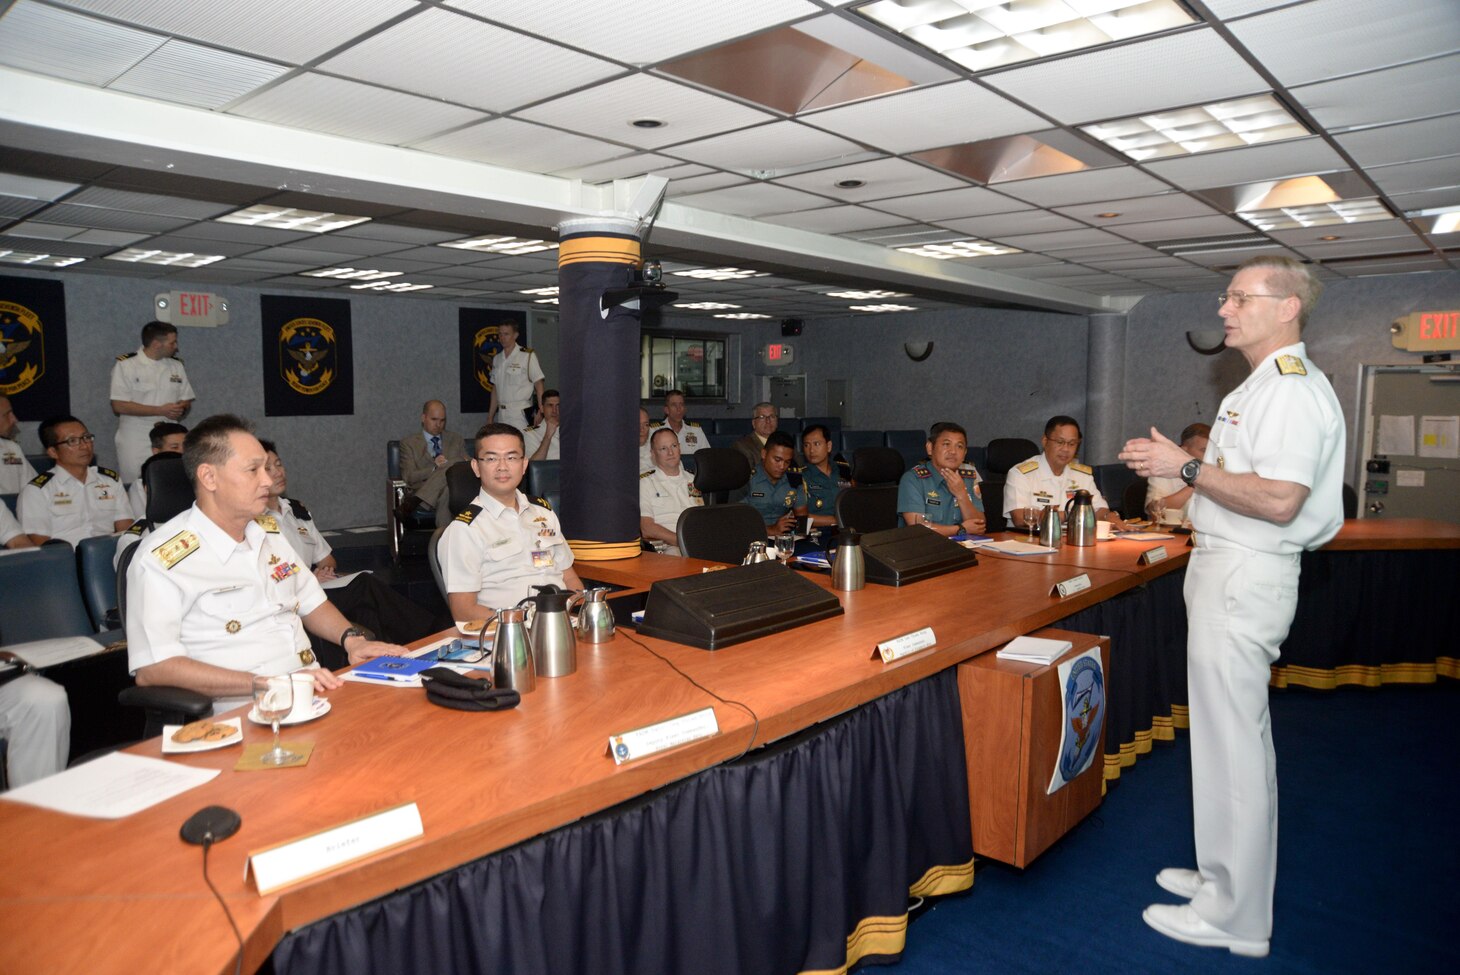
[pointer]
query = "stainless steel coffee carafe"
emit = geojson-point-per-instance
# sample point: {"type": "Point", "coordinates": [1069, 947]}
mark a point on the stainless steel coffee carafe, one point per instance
{"type": "Point", "coordinates": [554, 647]}
{"type": "Point", "coordinates": [1080, 515]}
{"type": "Point", "coordinates": [512, 665]}
{"type": "Point", "coordinates": [595, 618]}
{"type": "Point", "coordinates": [849, 569]}
{"type": "Point", "coordinates": [1049, 528]}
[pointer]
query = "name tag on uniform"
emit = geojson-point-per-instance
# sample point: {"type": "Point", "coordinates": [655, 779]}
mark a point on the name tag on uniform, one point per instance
{"type": "Point", "coordinates": [542, 558]}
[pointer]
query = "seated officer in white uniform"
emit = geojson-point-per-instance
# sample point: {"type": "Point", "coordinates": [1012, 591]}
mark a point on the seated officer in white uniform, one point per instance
{"type": "Point", "coordinates": [665, 490]}
{"type": "Point", "coordinates": [15, 469]}
{"type": "Point", "coordinates": [503, 544]}
{"type": "Point", "coordinates": [1171, 493]}
{"type": "Point", "coordinates": [165, 437]}
{"type": "Point", "coordinates": [544, 439]}
{"type": "Point", "coordinates": [72, 500]}
{"type": "Point", "coordinates": [1052, 478]}
{"type": "Point", "coordinates": [10, 534]}
{"type": "Point", "coordinates": [37, 717]}
{"type": "Point", "coordinates": [214, 598]}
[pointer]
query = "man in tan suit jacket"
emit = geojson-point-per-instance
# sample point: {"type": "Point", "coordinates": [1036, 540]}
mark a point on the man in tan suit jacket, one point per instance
{"type": "Point", "coordinates": [424, 458]}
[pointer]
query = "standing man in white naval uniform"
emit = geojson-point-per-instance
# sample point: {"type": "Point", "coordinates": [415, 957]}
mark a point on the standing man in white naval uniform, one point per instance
{"type": "Point", "coordinates": [147, 385]}
{"type": "Point", "coordinates": [516, 375]}
{"type": "Point", "coordinates": [1270, 486]}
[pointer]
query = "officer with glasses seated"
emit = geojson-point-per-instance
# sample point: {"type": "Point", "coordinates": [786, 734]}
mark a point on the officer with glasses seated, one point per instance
{"type": "Point", "coordinates": [1051, 478]}
{"type": "Point", "coordinates": [74, 499]}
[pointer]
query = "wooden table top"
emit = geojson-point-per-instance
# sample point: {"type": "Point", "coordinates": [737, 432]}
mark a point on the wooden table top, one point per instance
{"type": "Point", "coordinates": [73, 890]}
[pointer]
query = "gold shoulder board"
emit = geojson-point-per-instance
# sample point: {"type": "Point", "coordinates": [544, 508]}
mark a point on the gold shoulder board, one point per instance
{"type": "Point", "coordinates": [1290, 365]}
{"type": "Point", "coordinates": [268, 523]}
{"type": "Point", "coordinates": [176, 548]}
{"type": "Point", "coordinates": [1028, 467]}
{"type": "Point", "coordinates": [1082, 468]}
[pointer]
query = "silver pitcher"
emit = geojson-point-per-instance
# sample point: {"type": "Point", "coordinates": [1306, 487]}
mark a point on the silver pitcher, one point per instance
{"type": "Point", "coordinates": [1049, 528]}
{"type": "Point", "coordinates": [1081, 518]}
{"type": "Point", "coordinates": [554, 648]}
{"type": "Point", "coordinates": [512, 665]}
{"type": "Point", "coordinates": [849, 568]}
{"type": "Point", "coordinates": [756, 554]}
{"type": "Point", "coordinates": [595, 619]}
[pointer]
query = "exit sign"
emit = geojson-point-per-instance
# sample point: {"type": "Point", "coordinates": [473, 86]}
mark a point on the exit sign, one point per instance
{"type": "Point", "coordinates": [1427, 331]}
{"type": "Point", "coordinates": [191, 308]}
{"type": "Point", "coordinates": [778, 354]}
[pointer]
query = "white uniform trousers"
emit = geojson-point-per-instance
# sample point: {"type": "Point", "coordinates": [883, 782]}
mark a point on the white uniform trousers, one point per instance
{"type": "Point", "coordinates": [1239, 606]}
{"type": "Point", "coordinates": [38, 727]}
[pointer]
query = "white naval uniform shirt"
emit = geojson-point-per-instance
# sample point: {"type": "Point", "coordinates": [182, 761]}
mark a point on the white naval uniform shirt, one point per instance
{"type": "Point", "coordinates": [1043, 487]}
{"type": "Point", "coordinates": [1284, 428]}
{"type": "Point", "coordinates": [15, 469]}
{"type": "Point", "coordinates": [194, 592]}
{"type": "Point", "coordinates": [302, 535]}
{"type": "Point", "coordinates": [662, 497]}
{"type": "Point", "coordinates": [1164, 487]}
{"type": "Point", "coordinates": [691, 436]}
{"type": "Point", "coordinates": [137, 498]}
{"type": "Point", "coordinates": [150, 382]}
{"type": "Point", "coordinates": [500, 554]}
{"type": "Point", "coordinates": [9, 527]}
{"type": "Point", "coordinates": [646, 456]}
{"type": "Point", "coordinates": [65, 508]}
{"type": "Point", "coordinates": [514, 373]}
{"type": "Point", "coordinates": [532, 439]}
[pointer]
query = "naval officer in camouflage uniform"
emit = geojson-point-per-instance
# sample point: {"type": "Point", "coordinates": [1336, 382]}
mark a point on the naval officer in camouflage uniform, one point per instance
{"type": "Point", "coordinates": [774, 491]}
{"type": "Point", "coordinates": [215, 596]}
{"type": "Point", "coordinates": [1051, 478]}
{"type": "Point", "coordinates": [943, 492]}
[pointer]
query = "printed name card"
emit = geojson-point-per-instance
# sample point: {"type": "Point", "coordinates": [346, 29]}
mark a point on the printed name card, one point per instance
{"type": "Point", "coordinates": [1153, 555]}
{"type": "Point", "coordinates": [901, 646]}
{"type": "Point", "coordinates": [295, 860]}
{"type": "Point", "coordinates": [1069, 587]}
{"type": "Point", "coordinates": [641, 742]}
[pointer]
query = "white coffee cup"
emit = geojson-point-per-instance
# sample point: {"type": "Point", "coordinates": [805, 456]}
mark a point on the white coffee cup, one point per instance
{"type": "Point", "coordinates": [1102, 531]}
{"type": "Point", "coordinates": [1171, 516]}
{"type": "Point", "coordinates": [303, 695]}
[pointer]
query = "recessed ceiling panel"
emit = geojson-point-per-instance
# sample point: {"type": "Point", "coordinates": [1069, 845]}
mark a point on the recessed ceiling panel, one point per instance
{"type": "Point", "coordinates": [1000, 225]}
{"type": "Point", "coordinates": [1227, 9]}
{"type": "Point", "coordinates": [460, 59]}
{"type": "Point", "coordinates": [284, 29]}
{"type": "Point", "coordinates": [1310, 42]}
{"type": "Point", "coordinates": [607, 111]}
{"type": "Point", "coordinates": [770, 149]}
{"type": "Point", "coordinates": [1415, 176]}
{"type": "Point", "coordinates": [184, 245]}
{"type": "Point", "coordinates": [1213, 226]}
{"type": "Point", "coordinates": [879, 178]}
{"type": "Point", "coordinates": [625, 167]}
{"type": "Point", "coordinates": [379, 230]}
{"type": "Point", "coordinates": [752, 200]}
{"type": "Point", "coordinates": [13, 207]}
{"type": "Point", "coordinates": [323, 104]}
{"type": "Point", "coordinates": [1402, 143]}
{"type": "Point", "coordinates": [1352, 231]}
{"type": "Point", "coordinates": [260, 236]}
{"type": "Point", "coordinates": [172, 206]}
{"type": "Point", "coordinates": [971, 201]}
{"type": "Point", "coordinates": [69, 45]}
{"type": "Point", "coordinates": [833, 220]}
{"type": "Point", "coordinates": [1061, 240]}
{"type": "Point", "coordinates": [928, 117]}
{"type": "Point", "coordinates": [192, 74]}
{"type": "Point", "coordinates": [98, 218]}
{"type": "Point", "coordinates": [1363, 248]}
{"type": "Point", "coordinates": [690, 185]}
{"type": "Point", "coordinates": [521, 145]}
{"type": "Point", "coordinates": [1277, 161]}
{"type": "Point", "coordinates": [1180, 69]}
{"type": "Point", "coordinates": [1411, 91]}
{"type": "Point", "coordinates": [32, 188]}
{"type": "Point", "coordinates": [643, 32]}
{"type": "Point", "coordinates": [1094, 184]}
{"type": "Point", "coordinates": [1167, 206]}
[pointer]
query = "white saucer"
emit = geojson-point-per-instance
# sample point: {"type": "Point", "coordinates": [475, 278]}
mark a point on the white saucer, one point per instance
{"type": "Point", "coordinates": [319, 709]}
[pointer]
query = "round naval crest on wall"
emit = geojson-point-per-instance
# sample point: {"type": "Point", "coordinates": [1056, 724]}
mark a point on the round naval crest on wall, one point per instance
{"type": "Point", "coordinates": [305, 349]}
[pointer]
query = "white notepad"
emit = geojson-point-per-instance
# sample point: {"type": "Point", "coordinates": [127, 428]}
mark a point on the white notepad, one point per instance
{"type": "Point", "coordinates": [1034, 650]}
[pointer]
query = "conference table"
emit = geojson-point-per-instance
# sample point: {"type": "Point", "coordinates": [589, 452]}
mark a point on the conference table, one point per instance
{"type": "Point", "coordinates": [496, 790]}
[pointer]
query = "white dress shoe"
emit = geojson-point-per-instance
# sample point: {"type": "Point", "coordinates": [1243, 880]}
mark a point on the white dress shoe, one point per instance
{"type": "Point", "coordinates": [1182, 883]}
{"type": "Point", "coordinates": [1179, 921]}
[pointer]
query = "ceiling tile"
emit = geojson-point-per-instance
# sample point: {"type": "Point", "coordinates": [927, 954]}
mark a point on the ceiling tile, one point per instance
{"type": "Point", "coordinates": [779, 146]}
{"type": "Point", "coordinates": [1025, 222]}
{"type": "Point", "coordinates": [1363, 248]}
{"type": "Point", "coordinates": [1301, 157]}
{"type": "Point", "coordinates": [13, 207]}
{"type": "Point", "coordinates": [906, 235]}
{"type": "Point", "coordinates": [752, 200]}
{"type": "Point", "coordinates": [305, 257]}
{"type": "Point", "coordinates": [172, 206]}
{"type": "Point", "coordinates": [323, 104]}
{"type": "Point", "coordinates": [261, 236]}
{"type": "Point", "coordinates": [1402, 143]}
{"type": "Point", "coordinates": [1415, 176]}
{"type": "Point", "coordinates": [1106, 254]}
{"type": "Point", "coordinates": [833, 220]}
{"type": "Point", "coordinates": [64, 44]}
{"type": "Point", "coordinates": [284, 29]}
{"type": "Point", "coordinates": [607, 110]}
{"type": "Point", "coordinates": [196, 245]}
{"type": "Point", "coordinates": [377, 230]}
{"type": "Point", "coordinates": [645, 31]}
{"type": "Point", "coordinates": [1353, 231]}
{"type": "Point", "coordinates": [881, 178]}
{"type": "Point", "coordinates": [1060, 240]}
{"type": "Point", "coordinates": [32, 188]}
{"type": "Point", "coordinates": [521, 145]}
{"type": "Point", "coordinates": [1412, 91]}
{"type": "Point", "coordinates": [1093, 184]}
{"type": "Point", "coordinates": [442, 54]}
{"type": "Point", "coordinates": [971, 201]}
{"type": "Point", "coordinates": [96, 217]}
{"type": "Point", "coordinates": [1165, 72]}
{"type": "Point", "coordinates": [1213, 226]}
{"type": "Point", "coordinates": [1315, 41]}
{"type": "Point", "coordinates": [700, 184]}
{"type": "Point", "coordinates": [192, 74]}
{"type": "Point", "coordinates": [924, 118]}
{"type": "Point", "coordinates": [1226, 9]}
{"type": "Point", "coordinates": [625, 167]}
{"type": "Point", "coordinates": [1166, 206]}
{"type": "Point", "coordinates": [1448, 196]}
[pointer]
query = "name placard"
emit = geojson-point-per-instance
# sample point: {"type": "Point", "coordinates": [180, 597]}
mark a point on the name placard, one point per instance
{"type": "Point", "coordinates": [640, 742]}
{"type": "Point", "coordinates": [295, 860]}
{"type": "Point", "coordinates": [1153, 555]}
{"type": "Point", "coordinates": [901, 646]}
{"type": "Point", "coordinates": [1069, 587]}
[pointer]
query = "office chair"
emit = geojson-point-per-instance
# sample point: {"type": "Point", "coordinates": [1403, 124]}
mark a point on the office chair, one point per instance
{"type": "Point", "coordinates": [1003, 453]}
{"type": "Point", "coordinates": [99, 580]}
{"type": "Point", "coordinates": [720, 532]}
{"type": "Point", "coordinates": [462, 488]}
{"type": "Point", "coordinates": [395, 493]}
{"type": "Point", "coordinates": [876, 465]}
{"type": "Point", "coordinates": [1133, 501]}
{"type": "Point", "coordinates": [718, 472]}
{"type": "Point", "coordinates": [40, 597]}
{"type": "Point", "coordinates": [433, 556]}
{"type": "Point", "coordinates": [544, 481]}
{"type": "Point", "coordinates": [911, 444]}
{"type": "Point", "coordinates": [868, 509]}
{"type": "Point", "coordinates": [169, 490]}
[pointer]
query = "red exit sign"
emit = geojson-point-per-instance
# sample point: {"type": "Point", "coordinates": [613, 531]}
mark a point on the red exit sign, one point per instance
{"type": "Point", "coordinates": [191, 308]}
{"type": "Point", "coordinates": [1427, 331]}
{"type": "Point", "coordinates": [778, 353]}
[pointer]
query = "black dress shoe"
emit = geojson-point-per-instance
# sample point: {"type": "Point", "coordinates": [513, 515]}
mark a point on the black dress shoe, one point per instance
{"type": "Point", "coordinates": [407, 507]}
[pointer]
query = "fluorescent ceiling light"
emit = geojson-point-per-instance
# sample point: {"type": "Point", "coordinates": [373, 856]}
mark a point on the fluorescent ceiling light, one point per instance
{"type": "Point", "coordinates": [289, 218]}
{"type": "Point", "coordinates": [501, 244]}
{"type": "Point", "coordinates": [882, 308]}
{"type": "Point", "coordinates": [38, 260]}
{"type": "Point", "coordinates": [139, 255]}
{"type": "Point", "coordinates": [1317, 215]}
{"type": "Point", "coordinates": [721, 273]}
{"type": "Point", "coordinates": [352, 273]}
{"type": "Point", "coordinates": [1200, 128]}
{"type": "Point", "coordinates": [705, 305]}
{"type": "Point", "coordinates": [866, 295]}
{"type": "Point", "coordinates": [960, 248]}
{"type": "Point", "coordinates": [394, 287]}
{"type": "Point", "coordinates": [546, 301]}
{"type": "Point", "coordinates": [549, 292]}
{"type": "Point", "coordinates": [741, 315]}
{"type": "Point", "coordinates": [983, 34]}
{"type": "Point", "coordinates": [1446, 219]}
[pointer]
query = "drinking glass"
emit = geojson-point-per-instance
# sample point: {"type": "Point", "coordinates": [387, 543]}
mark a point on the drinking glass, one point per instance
{"type": "Point", "coordinates": [273, 698]}
{"type": "Point", "coordinates": [1031, 520]}
{"type": "Point", "coordinates": [786, 546]}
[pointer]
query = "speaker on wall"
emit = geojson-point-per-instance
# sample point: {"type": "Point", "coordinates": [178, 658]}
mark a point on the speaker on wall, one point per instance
{"type": "Point", "coordinates": [791, 327]}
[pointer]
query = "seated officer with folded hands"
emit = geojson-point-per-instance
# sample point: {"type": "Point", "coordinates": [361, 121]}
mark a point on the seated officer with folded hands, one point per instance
{"type": "Point", "coordinates": [774, 491]}
{"type": "Point", "coordinates": [823, 477]}
{"type": "Point", "coordinates": [942, 493]}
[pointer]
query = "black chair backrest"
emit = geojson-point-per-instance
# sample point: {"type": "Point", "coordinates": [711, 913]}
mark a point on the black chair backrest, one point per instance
{"type": "Point", "coordinates": [544, 480]}
{"type": "Point", "coordinates": [123, 562]}
{"type": "Point", "coordinates": [719, 533]}
{"type": "Point", "coordinates": [876, 465]}
{"type": "Point", "coordinates": [912, 444]}
{"type": "Point", "coordinates": [9, 500]}
{"type": "Point", "coordinates": [169, 491]}
{"type": "Point", "coordinates": [434, 558]}
{"type": "Point", "coordinates": [852, 439]}
{"type": "Point", "coordinates": [392, 459]}
{"type": "Point", "coordinates": [462, 486]}
{"type": "Point", "coordinates": [40, 598]}
{"type": "Point", "coordinates": [738, 425]}
{"type": "Point", "coordinates": [992, 491]}
{"type": "Point", "coordinates": [1133, 499]}
{"type": "Point", "coordinates": [718, 471]}
{"type": "Point", "coordinates": [1005, 452]}
{"type": "Point", "coordinates": [1350, 502]}
{"type": "Point", "coordinates": [868, 509]}
{"type": "Point", "coordinates": [98, 578]}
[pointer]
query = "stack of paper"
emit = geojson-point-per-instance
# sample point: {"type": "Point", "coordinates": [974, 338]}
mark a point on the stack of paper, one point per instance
{"type": "Point", "coordinates": [1034, 650]}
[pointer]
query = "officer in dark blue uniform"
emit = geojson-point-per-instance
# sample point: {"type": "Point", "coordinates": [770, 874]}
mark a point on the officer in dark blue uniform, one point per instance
{"type": "Point", "coordinates": [774, 490]}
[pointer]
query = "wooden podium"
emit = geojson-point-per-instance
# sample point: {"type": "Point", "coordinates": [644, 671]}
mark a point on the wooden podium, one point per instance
{"type": "Point", "coordinates": [1012, 714]}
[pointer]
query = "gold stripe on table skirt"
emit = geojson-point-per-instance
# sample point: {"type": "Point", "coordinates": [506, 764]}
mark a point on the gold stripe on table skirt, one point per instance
{"type": "Point", "coordinates": [946, 879]}
{"type": "Point", "coordinates": [872, 936]}
{"type": "Point", "coordinates": [1364, 675]}
{"type": "Point", "coordinates": [587, 550]}
{"type": "Point", "coordinates": [600, 250]}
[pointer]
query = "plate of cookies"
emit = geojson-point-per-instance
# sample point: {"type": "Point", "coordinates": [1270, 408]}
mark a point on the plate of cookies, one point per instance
{"type": "Point", "coordinates": [201, 736]}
